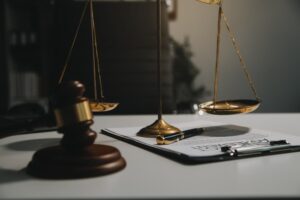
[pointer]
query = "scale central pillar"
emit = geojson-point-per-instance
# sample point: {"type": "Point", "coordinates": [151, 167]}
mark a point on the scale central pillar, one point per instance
{"type": "Point", "coordinates": [160, 126]}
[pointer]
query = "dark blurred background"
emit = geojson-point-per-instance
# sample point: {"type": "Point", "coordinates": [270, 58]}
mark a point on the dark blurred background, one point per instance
{"type": "Point", "coordinates": [36, 35]}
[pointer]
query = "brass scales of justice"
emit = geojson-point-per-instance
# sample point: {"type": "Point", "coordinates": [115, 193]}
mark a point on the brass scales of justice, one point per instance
{"type": "Point", "coordinates": [160, 126]}
{"type": "Point", "coordinates": [97, 104]}
{"type": "Point", "coordinates": [227, 107]}
{"type": "Point", "coordinates": [224, 107]}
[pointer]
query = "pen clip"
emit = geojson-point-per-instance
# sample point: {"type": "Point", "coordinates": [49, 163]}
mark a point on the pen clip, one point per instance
{"type": "Point", "coordinates": [171, 138]}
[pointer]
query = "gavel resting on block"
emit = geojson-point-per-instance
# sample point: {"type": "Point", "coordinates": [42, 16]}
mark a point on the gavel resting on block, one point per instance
{"type": "Point", "coordinates": [77, 156]}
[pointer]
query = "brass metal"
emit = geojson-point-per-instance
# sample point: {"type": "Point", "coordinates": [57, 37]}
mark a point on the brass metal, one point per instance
{"type": "Point", "coordinates": [79, 112]}
{"type": "Point", "coordinates": [210, 1]}
{"type": "Point", "coordinates": [217, 65]}
{"type": "Point", "coordinates": [161, 140]}
{"type": "Point", "coordinates": [159, 127]}
{"type": "Point", "coordinates": [97, 106]}
{"type": "Point", "coordinates": [229, 107]}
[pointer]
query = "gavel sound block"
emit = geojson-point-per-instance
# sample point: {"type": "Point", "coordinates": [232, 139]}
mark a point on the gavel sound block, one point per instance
{"type": "Point", "coordinates": [77, 156]}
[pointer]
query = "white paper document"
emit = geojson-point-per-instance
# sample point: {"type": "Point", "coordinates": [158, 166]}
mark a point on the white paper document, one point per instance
{"type": "Point", "coordinates": [209, 142]}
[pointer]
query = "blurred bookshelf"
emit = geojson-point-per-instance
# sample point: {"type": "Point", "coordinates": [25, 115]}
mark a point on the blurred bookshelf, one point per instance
{"type": "Point", "coordinates": [27, 53]}
{"type": "Point", "coordinates": [36, 35]}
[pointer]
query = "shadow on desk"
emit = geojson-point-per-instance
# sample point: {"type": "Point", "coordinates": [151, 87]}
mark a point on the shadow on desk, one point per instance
{"type": "Point", "coordinates": [8, 175]}
{"type": "Point", "coordinates": [33, 145]}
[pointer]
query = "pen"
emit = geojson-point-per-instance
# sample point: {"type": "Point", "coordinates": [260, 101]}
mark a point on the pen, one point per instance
{"type": "Point", "coordinates": [169, 139]}
{"type": "Point", "coordinates": [272, 146]}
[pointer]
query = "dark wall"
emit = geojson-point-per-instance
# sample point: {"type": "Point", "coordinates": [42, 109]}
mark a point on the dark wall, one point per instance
{"type": "Point", "coordinates": [3, 74]}
{"type": "Point", "coordinates": [126, 34]}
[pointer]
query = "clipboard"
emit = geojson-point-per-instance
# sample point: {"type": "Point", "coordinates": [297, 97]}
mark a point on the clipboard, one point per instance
{"type": "Point", "coordinates": [221, 142]}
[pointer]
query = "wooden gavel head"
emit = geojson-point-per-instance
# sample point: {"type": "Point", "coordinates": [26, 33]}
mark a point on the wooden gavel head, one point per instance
{"type": "Point", "coordinates": [73, 116]}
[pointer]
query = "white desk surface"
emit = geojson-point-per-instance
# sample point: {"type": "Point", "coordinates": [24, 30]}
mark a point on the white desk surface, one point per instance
{"type": "Point", "coordinates": [148, 175]}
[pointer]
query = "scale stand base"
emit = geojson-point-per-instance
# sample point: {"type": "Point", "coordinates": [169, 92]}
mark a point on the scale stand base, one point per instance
{"type": "Point", "coordinates": [159, 127]}
{"type": "Point", "coordinates": [58, 163]}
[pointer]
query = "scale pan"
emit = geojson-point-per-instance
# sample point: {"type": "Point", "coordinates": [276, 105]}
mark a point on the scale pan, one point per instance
{"type": "Point", "coordinates": [229, 107]}
{"type": "Point", "coordinates": [216, 2]}
{"type": "Point", "coordinates": [97, 106]}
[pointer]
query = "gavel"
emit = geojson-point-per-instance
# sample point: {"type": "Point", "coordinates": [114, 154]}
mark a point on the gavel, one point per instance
{"type": "Point", "coordinates": [77, 156]}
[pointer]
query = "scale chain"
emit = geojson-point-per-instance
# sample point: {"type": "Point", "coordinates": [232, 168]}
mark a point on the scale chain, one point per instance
{"type": "Point", "coordinates": [93, 49]}
{"type": "Point", "coordinates": [238, 52]}
{"type": "Point", "coordinates": [73, 44]}
{"type": "Point", "coordinates": [216, 78]}
{"type": "Point", "coordinates": [95, 53]}
{"type": "Point", "coordinates": [96, 62]}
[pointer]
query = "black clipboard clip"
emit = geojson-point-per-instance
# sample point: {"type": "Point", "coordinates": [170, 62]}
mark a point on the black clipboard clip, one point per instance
{"type": "Point", "coordinates": [256, 149]}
